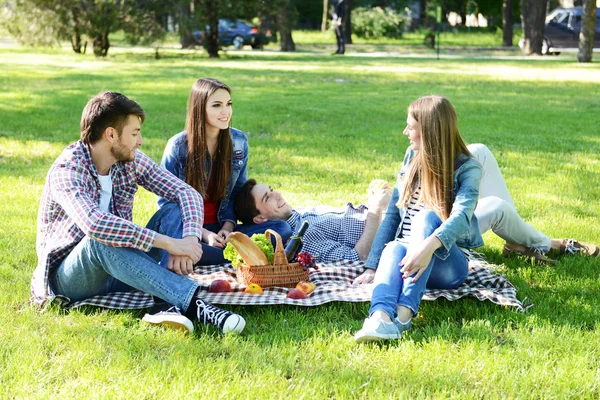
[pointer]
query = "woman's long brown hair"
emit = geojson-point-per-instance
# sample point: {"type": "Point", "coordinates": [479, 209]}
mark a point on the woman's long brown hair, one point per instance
{"type": "Point", "coordinates": [434, 163]}
{"type": "Point", "coordinates": [196, 173]}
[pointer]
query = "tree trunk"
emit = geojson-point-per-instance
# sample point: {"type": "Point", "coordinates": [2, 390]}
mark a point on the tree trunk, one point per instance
{"type": "Point", "coordinates": [348, 22]}
{"type": "Point", "coordinates": [184, 25]}
{"type": "Point", "coordinates": [285, 22]}
{"type": "Point", "coordinates": [586, 36]}
{"type": "Point", "coordinates": [507, 23]}
{"type": "Point", "coordinates": [101, 44]}
{"type": "Point", "coordinates": [325, 16]}
{"type": "Point", "coordinates": [211, 39]}
{"type": "Point", "coordinates": [76, 37]}
{"type": "Point", "coordinates": [424, 16]}
{"type": "Point", "coordinates": [533, 15]}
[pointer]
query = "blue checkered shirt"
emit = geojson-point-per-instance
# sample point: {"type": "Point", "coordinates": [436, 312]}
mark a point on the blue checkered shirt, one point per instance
{"type": "Point", "coordinates": [332, 233]}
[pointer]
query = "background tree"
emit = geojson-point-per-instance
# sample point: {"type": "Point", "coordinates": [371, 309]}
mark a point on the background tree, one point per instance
{"type": "Point", "coordinates": [533, 16]}
{"type": "Point", "coordinates": [325, 15]}
{"type": "Point", "coordinates": [210, 17]}
{"type": "Point", "coordinates": [507, 23]}
{"type": "Point", "coordinates": [348, 22]}
{"type": "Point", "coordinates": [185, 12]}
{"type": "Point", "coordinates": [41, 22]}
{"type": "Point", "coordinates": [586, 36]}
{"type": "Point", "coordinates": [286, 19]}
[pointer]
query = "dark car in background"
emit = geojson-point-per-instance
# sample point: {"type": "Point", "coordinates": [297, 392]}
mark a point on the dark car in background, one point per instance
{"type": "Point", "coordinates": [236, 33]}
{"type": "Point", "coordinates": [562, 30]}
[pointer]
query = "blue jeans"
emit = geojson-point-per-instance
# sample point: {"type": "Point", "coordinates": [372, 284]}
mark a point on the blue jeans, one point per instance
{"type": "Point", "coordinates": [391, 290]}
{"type": "Point", "coordinates": [167, 220]}
{"type": "Point", "coordinates": [93, 268]}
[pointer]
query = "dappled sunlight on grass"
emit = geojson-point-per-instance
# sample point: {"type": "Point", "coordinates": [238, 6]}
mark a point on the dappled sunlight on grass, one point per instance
{"type": "Point", "coordinates": [320, 129]}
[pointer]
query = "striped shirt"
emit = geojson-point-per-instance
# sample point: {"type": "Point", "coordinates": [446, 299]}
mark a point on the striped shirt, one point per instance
{"type": "Point", "coordinates": [414, 206]}
{"type": "Point", "coordinates": [69, 209]}
{"type": "Point", "coordinates": [333, 232]}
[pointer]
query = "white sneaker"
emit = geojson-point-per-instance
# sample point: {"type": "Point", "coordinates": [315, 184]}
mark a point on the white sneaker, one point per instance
{"type": "Point", "coordinates": [169, 316]}
{"type": "Point", "coordinates": [375, 329]}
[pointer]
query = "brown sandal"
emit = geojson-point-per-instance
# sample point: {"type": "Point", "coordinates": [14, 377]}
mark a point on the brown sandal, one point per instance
{"type": "Point", "coordinates": [539, 257]}
{"type": "Point", "coordinates": [572, 246]}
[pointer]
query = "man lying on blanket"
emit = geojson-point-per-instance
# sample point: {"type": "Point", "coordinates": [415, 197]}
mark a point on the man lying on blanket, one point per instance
{"type": "Point", "coordinates": [348, 233]}
{"type": "Point", "coordinates": [333, 234]}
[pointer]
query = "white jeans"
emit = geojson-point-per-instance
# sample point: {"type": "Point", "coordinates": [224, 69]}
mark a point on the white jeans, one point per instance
{"type": "Point", "coordinates": [496, 210]}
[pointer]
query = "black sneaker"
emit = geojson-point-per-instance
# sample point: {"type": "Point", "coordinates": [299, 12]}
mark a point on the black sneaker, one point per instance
{"type": "Point", "coordinates": [167, 315]}
{"type": "Point", "coordinates": [226, 321]}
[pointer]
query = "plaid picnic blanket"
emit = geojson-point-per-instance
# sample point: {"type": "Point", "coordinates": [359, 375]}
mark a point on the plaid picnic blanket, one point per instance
{"type": "Point", "coordinates": [334, 283]}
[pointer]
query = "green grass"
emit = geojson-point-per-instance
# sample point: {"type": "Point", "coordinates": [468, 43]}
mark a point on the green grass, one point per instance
{"type": "Point", "coordinates": [479, 37]}
{"type": "Point", "coordinates": [320, 129]}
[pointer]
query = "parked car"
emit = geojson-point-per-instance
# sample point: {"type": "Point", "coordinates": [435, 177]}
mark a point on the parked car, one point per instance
{"type": "Point", "coordinates": [562, 30]}
{"type": "Point", "coordinates": [236, 33]}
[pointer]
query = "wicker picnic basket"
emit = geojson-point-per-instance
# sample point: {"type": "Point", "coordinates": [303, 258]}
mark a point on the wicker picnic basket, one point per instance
{"type": "Point", "coordinates": [281, 273]}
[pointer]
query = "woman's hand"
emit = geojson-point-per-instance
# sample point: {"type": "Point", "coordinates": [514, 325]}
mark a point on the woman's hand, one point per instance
{"type": "Point", "coordinates": [365, 277]}
{"type": "Point", "coordinates": [213, 239]}
{"type": "Point", "coordinates": [416, 262]}
{"type": "Point", "coordinates": [226, 230]}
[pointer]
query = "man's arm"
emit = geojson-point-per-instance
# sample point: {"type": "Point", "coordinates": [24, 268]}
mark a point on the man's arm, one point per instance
{"type": "Point", "coordinates": [163, 183]}
{"type": "Point", "coordinates": [69, 189]}
{"type": "Point", "coordinates": [363, 246]}
{"type": "Point", "coordinates": [377, 203]}
{"type": "Point", "coordinates": [184, 252]}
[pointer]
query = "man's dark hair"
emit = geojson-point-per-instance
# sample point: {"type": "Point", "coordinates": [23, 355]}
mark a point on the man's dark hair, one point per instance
{"type": "Point", "coordinates": [107, 109]}
{"type": "Point", "coordinates": [245, 206]}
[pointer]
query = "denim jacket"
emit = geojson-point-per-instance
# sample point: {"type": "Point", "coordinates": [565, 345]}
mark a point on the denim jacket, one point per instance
{"type": "Point", "coordinates": [174, 160]}
{"type": "Point", "coordinates": [460, 228]}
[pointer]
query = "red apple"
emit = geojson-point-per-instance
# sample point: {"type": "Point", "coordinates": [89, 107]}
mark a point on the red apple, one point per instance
{"type": "Point", "coordinates": [296, 294]}
{"type": "Point", "coordinates": [219, 286]}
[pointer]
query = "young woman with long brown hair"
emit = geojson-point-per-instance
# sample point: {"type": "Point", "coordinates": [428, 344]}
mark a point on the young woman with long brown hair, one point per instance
{"type": "Point", "coordinates": [429, 219]}
{"type": "Point", "coordinates": [211, 157]}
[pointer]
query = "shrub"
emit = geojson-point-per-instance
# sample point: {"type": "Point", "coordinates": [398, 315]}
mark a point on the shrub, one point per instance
{"type": "Point", "coordinates": [376, 22]}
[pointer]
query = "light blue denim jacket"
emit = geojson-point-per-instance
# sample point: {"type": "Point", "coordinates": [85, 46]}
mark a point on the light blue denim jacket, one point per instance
{"type": "Point", "coordinates": [461, 226]}
{"type": "Point", "coordinates": [174, 160]}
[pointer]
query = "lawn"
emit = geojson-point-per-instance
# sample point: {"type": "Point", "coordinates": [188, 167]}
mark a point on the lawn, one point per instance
{"type": "Point", "coordinates": [320, 128]}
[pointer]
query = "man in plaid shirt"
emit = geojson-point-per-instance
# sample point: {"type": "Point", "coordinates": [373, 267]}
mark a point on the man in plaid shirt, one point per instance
{"type": "Point", "coordinates": [333, 234]}
{"type": "Point", "coordinates": [87, 244]}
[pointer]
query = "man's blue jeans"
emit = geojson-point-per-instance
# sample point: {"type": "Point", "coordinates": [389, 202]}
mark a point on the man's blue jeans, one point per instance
{"type": "Point", "coordinates": [93, 268]}
{"type": "Point", "coordinates": [391, 290]}
{"type": "Point", "coordinates": [167, 220]}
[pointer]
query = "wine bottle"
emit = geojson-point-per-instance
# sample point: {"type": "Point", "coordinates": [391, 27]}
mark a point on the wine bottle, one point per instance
{"type": "Point", "coordinates": [295, 244]}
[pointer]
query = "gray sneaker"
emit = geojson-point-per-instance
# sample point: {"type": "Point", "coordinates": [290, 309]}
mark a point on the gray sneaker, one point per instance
{"type": "Point", "coordinates": [376, 329]}
{"type": "Point", "coordinates": [402, 326]}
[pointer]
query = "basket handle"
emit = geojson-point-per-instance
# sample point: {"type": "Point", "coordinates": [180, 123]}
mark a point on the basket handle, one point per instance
{"type": "Point", "coordinates": [279, 257]}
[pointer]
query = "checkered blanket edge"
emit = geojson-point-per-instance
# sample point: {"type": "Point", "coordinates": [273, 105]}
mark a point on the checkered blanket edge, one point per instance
{"type": "Point", "coordinates": [334, 283]}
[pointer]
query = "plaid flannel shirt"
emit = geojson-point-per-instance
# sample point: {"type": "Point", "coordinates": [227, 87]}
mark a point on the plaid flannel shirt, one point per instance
{"type": "Point", "coordinates": [69, 209]}
{"type": "Point", "coordinates": [332, 233]}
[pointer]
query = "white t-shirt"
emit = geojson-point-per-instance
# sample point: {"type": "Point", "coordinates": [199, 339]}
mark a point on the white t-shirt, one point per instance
{"type": "Point", "coordinates": [106, 192]}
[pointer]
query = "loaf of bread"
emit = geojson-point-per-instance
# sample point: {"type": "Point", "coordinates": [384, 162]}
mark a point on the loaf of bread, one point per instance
{"type": "Point", "coordinates": [248, 250]}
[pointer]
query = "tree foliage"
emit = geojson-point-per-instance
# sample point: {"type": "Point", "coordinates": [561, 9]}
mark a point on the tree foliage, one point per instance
{"type": "Point", "coordinates": [377, 23]}
{"type": "Point", "coordinates": [46, 22]}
